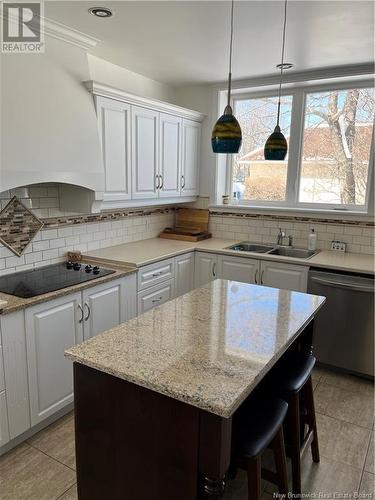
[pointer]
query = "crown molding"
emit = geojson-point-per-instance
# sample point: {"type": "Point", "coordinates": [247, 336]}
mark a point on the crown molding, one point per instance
{"type": "Point", "coordinates": [99, 89]}
{"type": "Point", "coordinates": [69, 35]}
{"type": "Point", "coordinates": [326, 74]}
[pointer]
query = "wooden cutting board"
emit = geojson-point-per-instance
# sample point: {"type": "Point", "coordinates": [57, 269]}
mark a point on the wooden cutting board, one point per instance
{"type": "Point", "coordinates": [191, 225]}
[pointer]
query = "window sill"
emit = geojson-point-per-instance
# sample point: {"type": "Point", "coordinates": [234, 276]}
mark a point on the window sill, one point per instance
{"type": "Point", "coordinates": [294, 211]}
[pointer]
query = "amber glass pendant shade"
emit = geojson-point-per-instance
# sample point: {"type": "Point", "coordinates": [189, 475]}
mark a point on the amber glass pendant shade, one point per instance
{"type": "Point", "coordinates": [226, 134]}
{"type": "Point", "coordinates": [276, 146]}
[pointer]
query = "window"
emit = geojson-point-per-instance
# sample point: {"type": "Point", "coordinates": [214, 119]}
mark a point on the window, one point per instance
{"type": "Point", "coordinates": [328, 161]}
{"type": "Point", "coordinates": [254, 178]}
{"type": "Point", "coordinates": [336, 146]}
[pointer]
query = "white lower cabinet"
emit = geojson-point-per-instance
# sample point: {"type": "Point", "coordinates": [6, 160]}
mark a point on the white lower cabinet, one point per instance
{"type": "Point", "coordinates": [238, 269]}
{"type": "Point", "coordinates": [155, 296]}
{"type": "Point", "coordinates": [51, 328]}
{"type": "Point", "coordinates": [106, 306]}
{"type": "Point", "coordinates": [184, 273]}
{"type": "Point", "coordinates": [284, 276]}
{"type": "Point", "coordinates": [4, 427]}
{"type": "Point", "coordinates": [206, 268]}
{"type": "Point", "coordinates": [15, 372]}
{"type": "Point", "coordinates": [38, 379]}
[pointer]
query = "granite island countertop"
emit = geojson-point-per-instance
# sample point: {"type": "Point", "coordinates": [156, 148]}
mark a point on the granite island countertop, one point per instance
{"type": "Point", "coordinates": [140, 253]}
{"type": "Point", "coordinates": [208, 348]}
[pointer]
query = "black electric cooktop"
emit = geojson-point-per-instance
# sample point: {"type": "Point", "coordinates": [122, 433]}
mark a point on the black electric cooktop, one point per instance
{"type": "Point", "coordinates": [46, 279]}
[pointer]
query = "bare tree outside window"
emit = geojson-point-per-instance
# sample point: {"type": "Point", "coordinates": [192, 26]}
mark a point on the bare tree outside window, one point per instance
{"type": "Point", "coordinates": [336, 146]}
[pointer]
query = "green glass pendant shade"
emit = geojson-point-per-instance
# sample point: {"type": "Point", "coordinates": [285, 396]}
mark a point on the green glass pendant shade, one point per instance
{"type": "Point", "coordinates": [226, 134]}
{"type": "Point", "coordinates": [276, 146]}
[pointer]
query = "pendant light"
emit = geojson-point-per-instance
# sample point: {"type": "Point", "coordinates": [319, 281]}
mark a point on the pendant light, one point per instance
{"type": "Point", "coordinates": [276, 146]}
{"type": "Point", "coordinates": [226, 134]}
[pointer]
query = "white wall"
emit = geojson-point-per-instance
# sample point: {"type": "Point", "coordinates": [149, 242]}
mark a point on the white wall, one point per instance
{"type": "Point", "coordinates": [48, 123]}
{"type": "Point", "coordinates": [116, 76]}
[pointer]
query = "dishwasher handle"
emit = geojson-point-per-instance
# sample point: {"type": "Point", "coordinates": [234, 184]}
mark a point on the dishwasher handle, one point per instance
{"type": "Point", "coordinates": [340, 284]}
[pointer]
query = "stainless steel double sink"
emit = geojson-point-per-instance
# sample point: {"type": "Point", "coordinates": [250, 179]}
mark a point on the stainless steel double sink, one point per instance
{"type": "Point", "coordinates": [284, 251]}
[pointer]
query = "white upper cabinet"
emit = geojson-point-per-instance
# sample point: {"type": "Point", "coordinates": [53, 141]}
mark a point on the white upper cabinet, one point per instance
{"type": "Point", "coordinates": [114, 131]}
{"type": "Point", "coordinates": [170, 156]}
{"type": "Point", "coordinates": [145, 149]}
{"type": "Point", "coordinates": [151, 149]}
{"type": "Point", "coordinates": [191, 155]}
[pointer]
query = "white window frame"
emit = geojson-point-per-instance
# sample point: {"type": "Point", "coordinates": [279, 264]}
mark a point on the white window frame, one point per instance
{"type": "Point", "coordinates": [295, 145]}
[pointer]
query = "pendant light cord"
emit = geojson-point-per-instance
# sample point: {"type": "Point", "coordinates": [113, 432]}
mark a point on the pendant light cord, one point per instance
{"type": "Point", "coordinates": [282, 62]}
{"type": "Point", "coordinates": [230, 52]}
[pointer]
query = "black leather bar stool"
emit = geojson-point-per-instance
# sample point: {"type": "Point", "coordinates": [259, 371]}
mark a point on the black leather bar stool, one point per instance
{"type": "Point", "coordinates": [257, 426]}
{"type": "Point", "coordinates": [294, 385]}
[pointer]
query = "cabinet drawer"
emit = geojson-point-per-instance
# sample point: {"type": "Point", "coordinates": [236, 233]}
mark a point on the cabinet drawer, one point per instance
{"type": "Point", "coordinates": [155, 296]}
{"type": "Point", "coordinates": [2, 381]}
{"type": "Point", "coordinates": [155, 273]}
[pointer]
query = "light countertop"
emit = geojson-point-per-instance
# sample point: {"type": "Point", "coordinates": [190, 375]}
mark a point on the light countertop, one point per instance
{"type": "Point", "coordinates": [208, 348]}
{"type": "Point", "coordinates": [144, 252]}
{"type": "Point", "coordinates": [11, 303]}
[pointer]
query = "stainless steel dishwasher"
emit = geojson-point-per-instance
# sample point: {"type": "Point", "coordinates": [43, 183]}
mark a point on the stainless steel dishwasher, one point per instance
{"type": "Point", "coordinates": [344, 328]}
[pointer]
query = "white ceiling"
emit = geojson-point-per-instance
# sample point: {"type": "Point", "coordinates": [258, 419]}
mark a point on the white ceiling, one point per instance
{"type": "Point", "coordinates": [179, 42]}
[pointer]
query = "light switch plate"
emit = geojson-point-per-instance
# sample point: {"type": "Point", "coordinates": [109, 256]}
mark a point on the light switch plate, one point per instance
{"type": "Point", "coordinates": [338, 246]}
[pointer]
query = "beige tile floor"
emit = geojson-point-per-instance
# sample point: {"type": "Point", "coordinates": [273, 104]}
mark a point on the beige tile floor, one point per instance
{"type": "Point", "coordinates": [43, 468]}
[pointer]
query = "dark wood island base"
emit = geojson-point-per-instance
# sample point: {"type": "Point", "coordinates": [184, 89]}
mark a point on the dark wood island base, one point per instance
{"type": "Point", "coordinates": [136, 444]}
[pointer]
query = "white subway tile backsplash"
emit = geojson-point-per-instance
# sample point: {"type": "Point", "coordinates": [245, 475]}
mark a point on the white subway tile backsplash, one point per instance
{"type": "Point", "coordinates": [48, 234]}
{"type": "Point", "coordinates": [40, 245]}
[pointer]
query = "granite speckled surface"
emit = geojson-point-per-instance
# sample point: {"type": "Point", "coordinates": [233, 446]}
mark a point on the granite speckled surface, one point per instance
{"type": "Point", "coordinates": [11, 303]}
{"type": "Point", "coordinates": [148, 251]}
{"type": "Point", "coordinates": [208, 348]}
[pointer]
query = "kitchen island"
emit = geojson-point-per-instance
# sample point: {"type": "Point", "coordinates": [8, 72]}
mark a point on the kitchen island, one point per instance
{"type": "Point", "coordinates": [154, 397]}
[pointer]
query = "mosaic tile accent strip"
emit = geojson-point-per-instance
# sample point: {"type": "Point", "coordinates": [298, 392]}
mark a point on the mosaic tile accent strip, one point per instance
{"type": "Point", "coordinates": [18, 226]}
{"type": "Point", "coordinates": [54, 222]}
{"type": "Point", "coordinates": [292, 218]}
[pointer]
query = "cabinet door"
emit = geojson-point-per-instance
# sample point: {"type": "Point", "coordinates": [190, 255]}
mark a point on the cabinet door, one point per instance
{"type": "Point", "coordinates": [284, 276]}
{"type": "Point", "coordinates": [4, 428]}
{"type": "Point", "coordinates": [51, 328]}
{"type": "Point", "coordinates": [205, 268]}
{"type": "Point", "coordinates": [155, 296]}
{"type": "Point", "coordinates": [170, 155]}
{"type": "Point", "coordinates": [145, 150]}
{"type": "Point", "coordinates": [15, 373]}
{"type": "Point", "coordinates": [108, 305]}
{"type": "Point", "coordinates": [114, 132]}
{"type": "Point", "coordinates": [238, 269]}
{"type": "Point", "coordinates": [191, 155]}
{"type": "Point", "coordinates": [184, 273]}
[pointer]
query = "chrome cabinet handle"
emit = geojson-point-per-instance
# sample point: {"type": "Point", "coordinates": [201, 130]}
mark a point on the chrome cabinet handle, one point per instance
{"type": "Point", "coordinates": [157, 181]}
{"type": "Point", "coordinates": [214, 269]}
{"type": "Point", "coordinates": [161, 181]}
{"type": "Point", "coordinates": [88, 311]}
{"type": "Point", "coordinates": [155, 275]}
{"type": "Point", "coordinates": [157, 300]}
{"type": "Point", "coordinates": [182, 181]}
{"type": "Point", "coordinates": [256, 276]}
{"type": "Point", "coordinates": [82, 313]}
{"type": "Point", "coordinates": [261, 277]}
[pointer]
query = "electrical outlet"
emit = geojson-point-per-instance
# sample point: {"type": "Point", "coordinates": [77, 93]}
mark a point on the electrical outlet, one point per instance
{"type": "Point", "coordinates": [339, 246]}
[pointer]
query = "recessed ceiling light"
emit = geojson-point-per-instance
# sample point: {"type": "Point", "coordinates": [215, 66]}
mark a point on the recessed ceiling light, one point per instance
{"type": "Point", "coordinates": [101, 12]}
{"type": "Point", "coordinates": [285, 66]}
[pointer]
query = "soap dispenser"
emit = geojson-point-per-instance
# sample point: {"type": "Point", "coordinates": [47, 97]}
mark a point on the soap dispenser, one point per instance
{"type": "Point", "coordinates": [311, 244]}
